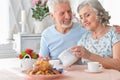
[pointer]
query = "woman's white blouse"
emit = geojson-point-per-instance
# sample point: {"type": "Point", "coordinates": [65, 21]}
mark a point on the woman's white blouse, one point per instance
{"type": "Point", "coordinates": [102, 46]}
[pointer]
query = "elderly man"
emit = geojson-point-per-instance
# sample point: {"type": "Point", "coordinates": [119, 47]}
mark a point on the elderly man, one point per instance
{"type": "Point", "coordinates": [63, 34]}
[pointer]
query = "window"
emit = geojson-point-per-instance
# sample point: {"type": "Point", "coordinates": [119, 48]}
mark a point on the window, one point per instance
{"type": "Point", "coordinates": [5, 45]}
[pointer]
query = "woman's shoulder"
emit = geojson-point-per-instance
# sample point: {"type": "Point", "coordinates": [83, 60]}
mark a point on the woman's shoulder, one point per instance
{"type": "Point", "coordinates": [84, 38]}
{"type": "Point", "coordinates": [87, 34]}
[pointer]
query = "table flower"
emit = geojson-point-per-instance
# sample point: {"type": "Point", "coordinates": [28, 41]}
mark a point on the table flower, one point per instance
{"type": "Point", "coordinates": [28, 53]}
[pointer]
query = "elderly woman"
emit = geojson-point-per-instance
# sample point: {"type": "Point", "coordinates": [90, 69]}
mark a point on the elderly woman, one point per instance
{"type": "Point", "coordinates": [100, 43]}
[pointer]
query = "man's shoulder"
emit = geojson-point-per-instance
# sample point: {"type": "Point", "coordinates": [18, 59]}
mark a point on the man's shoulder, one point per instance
{"type": "Point", "coordinates": [48, 29]}
{"type": "Point", "coordinates": [78, 26]}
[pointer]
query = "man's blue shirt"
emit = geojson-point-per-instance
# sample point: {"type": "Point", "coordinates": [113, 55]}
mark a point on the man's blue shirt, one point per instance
{"type": "Point", "coordinates": [54, 42]}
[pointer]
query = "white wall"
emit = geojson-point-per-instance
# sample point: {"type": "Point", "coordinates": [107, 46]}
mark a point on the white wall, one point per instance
{"type": "Point", "coordinates": [74, 4]}
{"type": "Point", "coordinates": [4, 20]}
{"type": "Point", "coordinates": [113, 7]}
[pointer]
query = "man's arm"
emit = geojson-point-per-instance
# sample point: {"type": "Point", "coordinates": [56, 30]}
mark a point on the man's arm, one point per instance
{"type": "Point", "coordinates": [117, 29]}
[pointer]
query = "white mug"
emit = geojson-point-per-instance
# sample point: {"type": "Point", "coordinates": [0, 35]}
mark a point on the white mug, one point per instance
{"type": "Point", "coordinates": [94, 66]}
{"type": "Point", "coordinates": [67, 57]}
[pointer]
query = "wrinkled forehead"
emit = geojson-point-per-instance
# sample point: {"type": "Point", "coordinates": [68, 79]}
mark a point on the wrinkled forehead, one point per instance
{"type": "Point", "coordinates": [86, 9]}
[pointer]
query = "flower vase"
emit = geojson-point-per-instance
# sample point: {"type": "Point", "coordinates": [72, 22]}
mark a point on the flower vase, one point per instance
{"type": "Point", "coordinates": [41, 25]}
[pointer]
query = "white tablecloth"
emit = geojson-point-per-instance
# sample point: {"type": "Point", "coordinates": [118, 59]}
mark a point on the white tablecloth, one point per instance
{"type": "Point", "coordinates": [10, 70]}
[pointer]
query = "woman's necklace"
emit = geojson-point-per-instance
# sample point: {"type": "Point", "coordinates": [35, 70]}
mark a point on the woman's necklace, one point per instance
{"type": "Point", "coordinates": [97, 35]}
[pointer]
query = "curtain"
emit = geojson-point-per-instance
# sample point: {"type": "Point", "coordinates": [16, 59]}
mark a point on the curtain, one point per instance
{"type": "Point", "coordinates": [10, 16]}
{"type": "Point", "coordinates": [15, 8]}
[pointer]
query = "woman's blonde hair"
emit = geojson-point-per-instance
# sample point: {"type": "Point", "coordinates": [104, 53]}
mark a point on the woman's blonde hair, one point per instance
{"type": "Point", "coordinates": [102, 14]}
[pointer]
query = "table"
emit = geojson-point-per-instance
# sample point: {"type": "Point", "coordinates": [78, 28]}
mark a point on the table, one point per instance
{"type": "Point", "coordinates": [10, 70]}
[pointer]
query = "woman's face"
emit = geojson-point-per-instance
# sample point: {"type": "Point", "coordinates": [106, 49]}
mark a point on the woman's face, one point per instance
{"type": "Point", "coordinates": [88, 18]}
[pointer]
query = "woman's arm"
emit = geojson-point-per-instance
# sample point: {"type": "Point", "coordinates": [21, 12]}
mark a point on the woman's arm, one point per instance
{"type": "Point", "coordinates": [110, 63]}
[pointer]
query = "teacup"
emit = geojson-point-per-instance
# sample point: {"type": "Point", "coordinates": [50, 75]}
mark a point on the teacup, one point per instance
{"type": "Point", "coordinates": [94, 66]}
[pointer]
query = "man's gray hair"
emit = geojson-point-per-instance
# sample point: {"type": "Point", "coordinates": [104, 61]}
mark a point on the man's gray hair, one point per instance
{"type": "Point", "coordinates": [51, 4]}
{"type": "Point", "coordinates": [102, 14]}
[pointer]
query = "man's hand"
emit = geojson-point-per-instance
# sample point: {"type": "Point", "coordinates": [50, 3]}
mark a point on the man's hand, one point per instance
{"type": "Point", "coordinates": [117, 29]}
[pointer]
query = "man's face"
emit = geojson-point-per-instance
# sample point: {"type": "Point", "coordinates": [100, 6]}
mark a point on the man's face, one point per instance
{"type": "Point", "coordinates": [63, 14]}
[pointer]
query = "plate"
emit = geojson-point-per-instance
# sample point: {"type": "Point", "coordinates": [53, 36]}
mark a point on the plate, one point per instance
{"type": "Point", "coordinates": [98, 71]}
{"type": "Point", "coordinates": [43, 77]}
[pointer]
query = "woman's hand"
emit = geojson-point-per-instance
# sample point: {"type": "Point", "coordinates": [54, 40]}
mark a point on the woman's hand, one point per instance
{"type": "Point", "coordinates": [76, 51]}
{"type": "Point", "coordinates": [81, 52]}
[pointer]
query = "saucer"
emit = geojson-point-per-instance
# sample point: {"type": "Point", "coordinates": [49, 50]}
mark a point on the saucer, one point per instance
{"type": "Point", "coordinates": [98, 71]}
